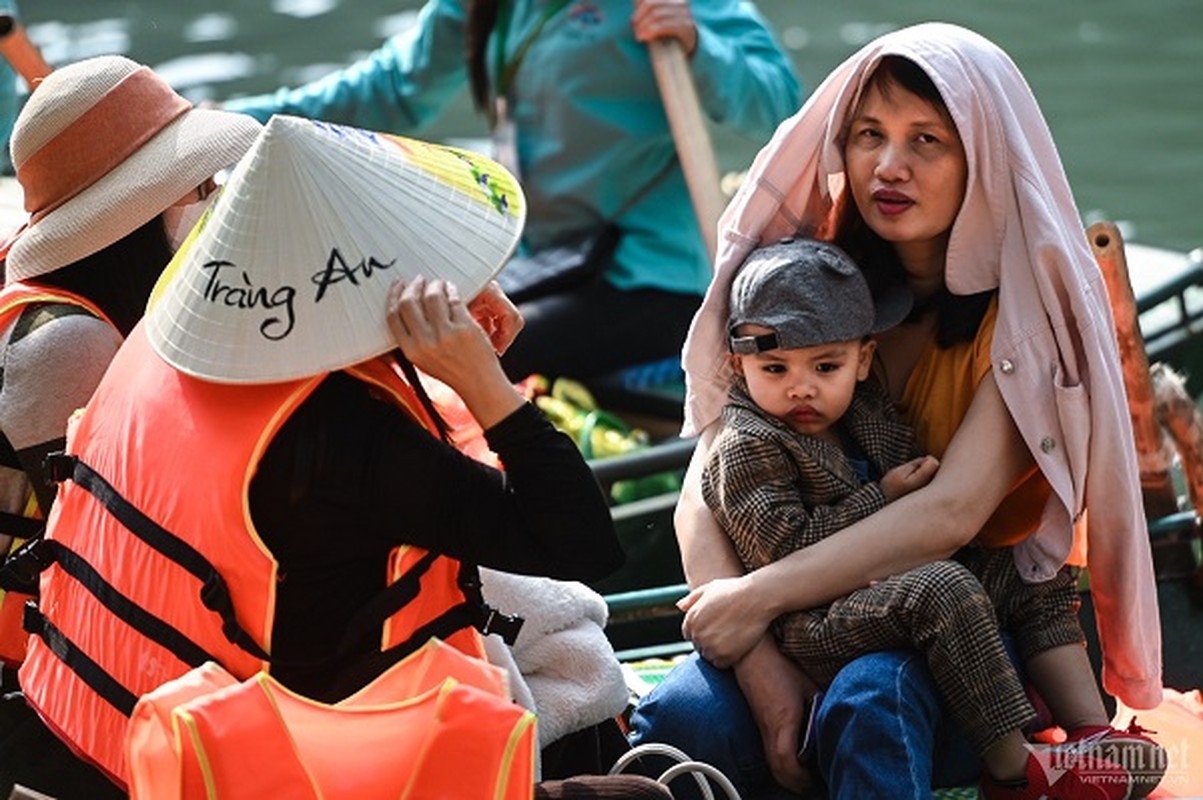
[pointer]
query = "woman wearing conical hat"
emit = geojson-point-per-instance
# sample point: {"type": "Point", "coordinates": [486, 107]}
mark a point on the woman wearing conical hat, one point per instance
{"type": "Point", "coordinates": [263, 478]}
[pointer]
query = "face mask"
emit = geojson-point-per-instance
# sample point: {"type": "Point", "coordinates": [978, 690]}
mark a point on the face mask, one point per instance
{"type": "Point", "coordinates": [180, 220]}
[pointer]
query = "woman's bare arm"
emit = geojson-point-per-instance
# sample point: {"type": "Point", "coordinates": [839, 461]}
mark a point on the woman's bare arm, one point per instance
{"type": "Point", "coordinates": [775, 688]}
{"type": "Point", "coordinates": [985, 459]}
{"type": "Point", "coordinates": [706, 551]}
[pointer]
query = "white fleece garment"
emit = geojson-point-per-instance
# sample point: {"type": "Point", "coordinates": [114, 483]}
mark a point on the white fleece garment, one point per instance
{"type": "Point", "coordinates": [561, 661]}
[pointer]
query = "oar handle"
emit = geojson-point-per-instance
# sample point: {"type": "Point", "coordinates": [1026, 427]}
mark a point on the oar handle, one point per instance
{"type": "Point", "coordinates": [21, 53]}
{"type": "Point", "coordinates": [689, 132]}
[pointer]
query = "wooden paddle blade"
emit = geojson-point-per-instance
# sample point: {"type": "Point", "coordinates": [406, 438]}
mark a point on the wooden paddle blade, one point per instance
{"type": "Point", "coordinates": [1152, 448]}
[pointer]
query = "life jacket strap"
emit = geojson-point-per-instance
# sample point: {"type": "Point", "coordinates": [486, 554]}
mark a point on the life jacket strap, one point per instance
{"type": "Point", "coordinates": [134, 615]}
{"type": "Point", "coordinates": [476, 613]}
{"type": "Point", "coordinates": [214, 593]}
{"type": "Point", "coordinates": [125, 609]}
{"type": "Point", "coordinates": [16, 525]}
{"type": "Point", "coordinates": [366, 668]}
{"type": "Point", "coordinates": [20, 527]}
{"type": "Point", "coordinates": [8, 454]}
{"type": "Point", "coordinates": [473, 612]}
{"type": "Point", "coordinates": [91, 673]}
{"type": "Point", "coordinates": [370, 618]}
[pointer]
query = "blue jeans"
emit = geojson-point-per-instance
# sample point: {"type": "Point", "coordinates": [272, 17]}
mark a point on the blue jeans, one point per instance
{"type": "Point", "coordinates": [882, 730]}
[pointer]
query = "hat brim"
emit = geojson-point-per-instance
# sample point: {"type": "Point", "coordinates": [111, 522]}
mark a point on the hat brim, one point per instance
{"type": "Point", "coordinates": [288, 273]}
{"type": "Point", "coordinates": [189, 149]}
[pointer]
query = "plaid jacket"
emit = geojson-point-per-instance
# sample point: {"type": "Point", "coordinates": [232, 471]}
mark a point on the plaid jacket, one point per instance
{"type": "Point", "coordinates": [775, 491]}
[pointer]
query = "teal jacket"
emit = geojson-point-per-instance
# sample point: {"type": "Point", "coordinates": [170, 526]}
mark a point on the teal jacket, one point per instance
{"type": "Point", "coordinates": [591, 130]}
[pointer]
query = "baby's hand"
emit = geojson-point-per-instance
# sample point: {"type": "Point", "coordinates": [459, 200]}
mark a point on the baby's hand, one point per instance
{"type": "Point", "coordinates": [906, 478]}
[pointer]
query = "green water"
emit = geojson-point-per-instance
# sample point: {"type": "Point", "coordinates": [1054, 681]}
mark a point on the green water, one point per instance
{"type": "Point", "coordinates": [1121, 82]}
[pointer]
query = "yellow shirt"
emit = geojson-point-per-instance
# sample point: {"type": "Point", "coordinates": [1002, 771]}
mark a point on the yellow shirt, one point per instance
{"type": "Point", "coordinates": [937, 397]}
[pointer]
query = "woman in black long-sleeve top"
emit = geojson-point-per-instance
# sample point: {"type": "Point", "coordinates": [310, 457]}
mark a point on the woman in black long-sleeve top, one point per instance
{"type": "Point", "coordinates": [349, 477]}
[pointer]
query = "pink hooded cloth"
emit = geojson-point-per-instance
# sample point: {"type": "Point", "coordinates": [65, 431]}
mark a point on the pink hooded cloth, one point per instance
{"type": "Point", "coordinates": [1018, 231]}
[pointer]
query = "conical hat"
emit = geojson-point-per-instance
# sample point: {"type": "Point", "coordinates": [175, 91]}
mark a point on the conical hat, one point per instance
{"type": "Point", "coordinates": [288, 273]}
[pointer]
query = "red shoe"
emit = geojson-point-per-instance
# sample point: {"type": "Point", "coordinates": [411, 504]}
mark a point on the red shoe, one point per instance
{"type": "Point", "coordinates": [1055, 774]}
{"type": "Point", "coordinates": [1144, 760]}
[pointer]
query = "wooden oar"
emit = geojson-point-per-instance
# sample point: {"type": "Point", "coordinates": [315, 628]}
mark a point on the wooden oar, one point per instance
{"type": "Point", "coordinates": [680, 99]}
{"type": "Point", "coordinates": [1152, 450]}
{"type": "Point", "coordinates": [21, 53]}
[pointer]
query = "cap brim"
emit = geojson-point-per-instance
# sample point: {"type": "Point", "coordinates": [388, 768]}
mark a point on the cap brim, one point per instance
{"type": "Point", "coordinates": [891, 305]}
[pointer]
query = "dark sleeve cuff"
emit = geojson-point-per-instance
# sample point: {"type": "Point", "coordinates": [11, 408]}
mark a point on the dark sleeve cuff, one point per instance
{"type": "Point", "coordinates": [526, 420]}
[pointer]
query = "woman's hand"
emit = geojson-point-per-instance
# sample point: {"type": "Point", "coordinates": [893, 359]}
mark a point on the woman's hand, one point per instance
{"type": "Point", "coordinates": [437, 333]}
{"type": "Point", "coordinates": [497, 316]}
{"type": "Point", "coordinates": [658, 19]}
{"type": "Point", "coordinates": [778, 694]}
{"type": "Point", "coordinates": [723, 619]}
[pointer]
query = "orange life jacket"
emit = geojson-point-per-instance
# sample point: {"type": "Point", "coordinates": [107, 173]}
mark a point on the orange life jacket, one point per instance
{"type": "Point", "coordinates": [14, 299]}
{"type": "Point", "coordinates": [438, 724]}
{"type": "Point", "coordinates": [183, 576]}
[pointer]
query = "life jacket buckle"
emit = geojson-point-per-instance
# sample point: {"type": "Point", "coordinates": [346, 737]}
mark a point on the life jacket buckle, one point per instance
{"type": "Point", "coordinates": [32, 619]}
{"type": "Point", "coordinates": [59, 466]}
{"type": "Point", "coordinates": [215, 596]}
{"type": "Point", "coordinates": [24, 565]}
{"type": "Point", "coordinates": [506, 626]}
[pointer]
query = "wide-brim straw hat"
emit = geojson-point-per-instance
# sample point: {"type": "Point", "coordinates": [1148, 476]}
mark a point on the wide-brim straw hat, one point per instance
{"type": "Point", "coordinates": [287, 274]}
{"type": "Point", "coordinates": [102, 147]}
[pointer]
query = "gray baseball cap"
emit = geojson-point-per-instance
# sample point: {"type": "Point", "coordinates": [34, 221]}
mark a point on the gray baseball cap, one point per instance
{"type": "Point", "coordinates": [810, 293]}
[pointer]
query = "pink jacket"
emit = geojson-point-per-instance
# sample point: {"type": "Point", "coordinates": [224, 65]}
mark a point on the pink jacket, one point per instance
{"type": "Point", "coordinates": [1056, 361]}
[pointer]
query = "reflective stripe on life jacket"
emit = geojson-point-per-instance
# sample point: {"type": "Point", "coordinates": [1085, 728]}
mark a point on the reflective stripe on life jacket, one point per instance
{"type": "Point", "coordinates": [14, 300]}
{"type": "Point", "coordinates": [437, 724]}
{"type": "Point", "coordinates": [180, 452]}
